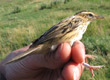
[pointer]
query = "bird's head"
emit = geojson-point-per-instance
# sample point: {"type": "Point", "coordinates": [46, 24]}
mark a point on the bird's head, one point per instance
{"type": "Point", "coordinates": [89, 16]}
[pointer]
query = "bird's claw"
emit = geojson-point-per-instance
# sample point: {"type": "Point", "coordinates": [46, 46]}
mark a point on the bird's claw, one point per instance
{"type": "Point", "coordinates": [91, 68]}
{"type": "Point", "coordinates": [90, 56]}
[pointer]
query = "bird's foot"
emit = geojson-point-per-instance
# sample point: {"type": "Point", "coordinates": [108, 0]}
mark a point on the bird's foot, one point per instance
{"type": "Point", "coordinates": [91, 68]}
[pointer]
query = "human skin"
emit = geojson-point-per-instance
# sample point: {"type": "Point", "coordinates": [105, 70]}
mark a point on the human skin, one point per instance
{"type": "Point", "coordinates": [52, 66]}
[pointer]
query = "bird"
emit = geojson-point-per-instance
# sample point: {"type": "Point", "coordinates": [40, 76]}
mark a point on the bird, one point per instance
{"type": "Point", "coordinates": [67, 30]}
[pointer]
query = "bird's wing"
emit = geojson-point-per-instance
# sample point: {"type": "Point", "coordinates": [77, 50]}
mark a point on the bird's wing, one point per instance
{"type": "Point", "coordinates": [57, 30]}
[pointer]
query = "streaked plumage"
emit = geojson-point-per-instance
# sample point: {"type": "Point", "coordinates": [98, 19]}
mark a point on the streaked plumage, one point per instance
{"type": "Point", "coordinates": [67, 30]}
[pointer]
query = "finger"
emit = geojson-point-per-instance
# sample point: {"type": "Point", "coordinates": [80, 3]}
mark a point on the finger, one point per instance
{"type": "Point", "coordinates": [51, 61]}
{"type": "Point", "coordinates": [72, 71]}
{"type": "Point", "coordinates": [78, 52]}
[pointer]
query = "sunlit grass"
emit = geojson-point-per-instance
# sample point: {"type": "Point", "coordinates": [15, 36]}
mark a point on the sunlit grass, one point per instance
{"type": "Point", "coordinates": [23, 21]}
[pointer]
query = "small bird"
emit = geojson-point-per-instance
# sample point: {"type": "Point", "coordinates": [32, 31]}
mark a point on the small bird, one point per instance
{"type": "Point", "coordinates": [68, 30]}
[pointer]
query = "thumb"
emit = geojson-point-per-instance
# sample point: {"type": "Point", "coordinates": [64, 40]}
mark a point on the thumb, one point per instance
{"type": "Point", "coordinates": [51, 60]}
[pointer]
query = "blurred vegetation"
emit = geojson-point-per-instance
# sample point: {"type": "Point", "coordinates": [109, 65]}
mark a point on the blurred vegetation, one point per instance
{"type": "Point", "coordinates": [22, 21]}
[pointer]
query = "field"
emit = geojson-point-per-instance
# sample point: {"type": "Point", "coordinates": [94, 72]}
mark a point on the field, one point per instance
{"type": "Point", "coordinates": [22, 21]}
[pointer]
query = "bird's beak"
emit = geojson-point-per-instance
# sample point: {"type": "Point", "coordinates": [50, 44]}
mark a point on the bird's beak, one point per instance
{"type": "Point", "coordinates": [99, 17]}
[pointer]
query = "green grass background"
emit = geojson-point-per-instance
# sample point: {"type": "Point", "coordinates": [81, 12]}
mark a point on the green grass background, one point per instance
{"type": "Point", "coordinates": [22, 21]}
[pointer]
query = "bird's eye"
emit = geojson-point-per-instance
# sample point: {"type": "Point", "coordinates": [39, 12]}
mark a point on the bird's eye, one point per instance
{"type": "Point", "coordinates": [90, 15]}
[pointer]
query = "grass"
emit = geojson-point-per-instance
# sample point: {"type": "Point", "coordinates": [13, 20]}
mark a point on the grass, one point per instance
{"type": "Point", "coordinates": [22, 21]}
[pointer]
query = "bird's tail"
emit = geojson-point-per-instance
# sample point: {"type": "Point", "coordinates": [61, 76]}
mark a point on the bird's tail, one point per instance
{"type": "Point", "coordinates": [22, 55]}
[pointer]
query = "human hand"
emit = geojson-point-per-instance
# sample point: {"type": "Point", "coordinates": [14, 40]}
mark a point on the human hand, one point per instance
{"type": "Point", "coordinates": [54, 66]}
